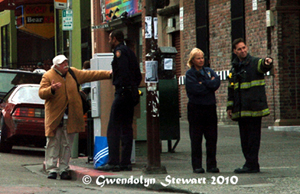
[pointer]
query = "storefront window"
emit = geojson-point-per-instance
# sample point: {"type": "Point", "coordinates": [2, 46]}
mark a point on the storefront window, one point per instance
{"type": "Point", "coordinates": [5, 46]}
{"type": "Point", "coordinates": [86, 44]}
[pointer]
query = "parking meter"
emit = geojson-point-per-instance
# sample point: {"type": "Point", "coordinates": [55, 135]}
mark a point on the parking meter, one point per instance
{"type": "Point", "coordinates": [169, 128]}
{"type": "Point", "coordinates": [166, 62]}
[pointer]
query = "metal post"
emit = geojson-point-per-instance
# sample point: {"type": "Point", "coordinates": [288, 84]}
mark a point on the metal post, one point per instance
{"type": "Point", "coordinates": [90, 138]}
{"type": "Point", "coordinates": [74, 151]}
{"type": "Point", "coordinates": [69, 6]}
{"type": "Point", "coordinates": [152, 101]}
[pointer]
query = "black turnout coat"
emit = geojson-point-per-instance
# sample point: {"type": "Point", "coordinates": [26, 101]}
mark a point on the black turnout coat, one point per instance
{"type": "Point", "coordinates": [246, 89]}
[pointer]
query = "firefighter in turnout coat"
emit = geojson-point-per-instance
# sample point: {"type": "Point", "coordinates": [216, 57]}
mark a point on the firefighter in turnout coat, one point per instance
{"type": "Point", "coordinates": [247, 102]}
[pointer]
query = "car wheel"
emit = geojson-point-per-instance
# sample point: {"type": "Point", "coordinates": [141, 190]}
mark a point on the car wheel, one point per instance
{"type": "Point", "coordinates": [5, 146]}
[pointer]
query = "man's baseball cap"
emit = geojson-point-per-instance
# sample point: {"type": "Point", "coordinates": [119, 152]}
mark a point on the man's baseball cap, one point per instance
{"type": "Point", "coordinates": [59, 59]}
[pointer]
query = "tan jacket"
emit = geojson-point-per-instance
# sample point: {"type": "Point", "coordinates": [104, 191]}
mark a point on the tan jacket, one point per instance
{"type": "Point", "coordinates": [67, 94]}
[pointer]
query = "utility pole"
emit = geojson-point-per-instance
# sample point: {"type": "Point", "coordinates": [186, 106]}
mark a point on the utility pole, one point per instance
{"type": "Point", "coordinates": [152, 101]}
{"type": "Point", "coordinates": [69, 6]}
{"type": "Point", "coordinates": [74, 151]}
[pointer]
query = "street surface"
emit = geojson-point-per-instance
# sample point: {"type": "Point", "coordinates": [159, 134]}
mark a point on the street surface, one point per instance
{"type": "Point", "coordinates": [15, 178]}
{"type": "Point", "coordinates": [279, 161]}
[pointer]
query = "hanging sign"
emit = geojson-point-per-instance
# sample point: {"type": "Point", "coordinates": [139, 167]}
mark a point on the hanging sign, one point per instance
{"type": "Point", "coordinates": [60, 4]}
{"type": "Point", "coordinates": [67, 19]}
{"type": "Point", "coordinates": [151, 75]}
{"type": "Point", "coordinates": [148, 27]}
{"type": "Point", "coordinates": [113, 9]}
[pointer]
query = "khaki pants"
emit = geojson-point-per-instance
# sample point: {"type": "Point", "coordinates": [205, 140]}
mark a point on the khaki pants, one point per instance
{"type": "Point", "coordinates": [58, 150]}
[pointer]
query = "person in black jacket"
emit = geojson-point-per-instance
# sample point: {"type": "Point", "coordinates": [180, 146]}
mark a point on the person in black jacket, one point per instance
{"type": "Point", "coordinates": [126, 79]}
{"type": "Point", "coordinates": [247, 102]}
{"type": "Point", "coordinates": [201, 84]}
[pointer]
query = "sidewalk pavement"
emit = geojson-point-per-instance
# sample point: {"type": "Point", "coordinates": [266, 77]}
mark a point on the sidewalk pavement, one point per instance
{"type": "Point", "coordinates": [180, 178]}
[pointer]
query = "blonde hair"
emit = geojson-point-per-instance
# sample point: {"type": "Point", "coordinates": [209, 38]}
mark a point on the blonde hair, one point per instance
{"type": "Point", "coordinates": [193, 52]}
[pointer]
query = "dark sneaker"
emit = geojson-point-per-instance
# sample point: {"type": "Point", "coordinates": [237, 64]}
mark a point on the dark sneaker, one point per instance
{"type": "Point", "coordinates": [126, 167]}
{"type": "Point", "coordinates": [245, 169]}
{"type": "Point", "coordinates": [109, 167]}
{"type": "Point", "coordinates": [52, 175]}
{"type": "Point", "coordinates": [65, 176]}
{"type": "Point", "coordinates": [198, 170]}
{"type": "Point", "coordinates": [213, 170]}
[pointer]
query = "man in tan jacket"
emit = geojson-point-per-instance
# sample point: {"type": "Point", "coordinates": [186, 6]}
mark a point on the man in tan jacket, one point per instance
{"type": "Point", "coordinates": [59, 90]}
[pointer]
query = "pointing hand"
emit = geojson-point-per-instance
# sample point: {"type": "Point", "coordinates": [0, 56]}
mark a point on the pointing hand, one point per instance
{"type": "Point", "coordinates": [268, 61]}
{"type": "Point", "coordinates": [55, 86]}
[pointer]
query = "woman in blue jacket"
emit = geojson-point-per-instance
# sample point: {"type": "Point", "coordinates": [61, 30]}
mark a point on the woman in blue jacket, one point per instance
{"type": "Point", "coordinates": [201, 84]}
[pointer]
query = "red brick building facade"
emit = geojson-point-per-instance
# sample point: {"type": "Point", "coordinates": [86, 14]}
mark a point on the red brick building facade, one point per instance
{"type": "Point", "coordinates": [270, 28]}
{"type": "Point", "coordinates": [279, 41]}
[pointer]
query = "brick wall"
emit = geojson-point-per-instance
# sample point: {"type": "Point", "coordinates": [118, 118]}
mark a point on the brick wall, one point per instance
{"type": "Point", "coordinates": [275, 103]}
{"type": "Point", "coordinates": [282, 86]}
{"type": "Point", "coordinates": [188, 38]}
{"type": "Point", "coordinates": [256, 38]}
{"type": "Point", "coordinates": [289, 65]}
{"type": "Point", "coordinates": [220, 50]}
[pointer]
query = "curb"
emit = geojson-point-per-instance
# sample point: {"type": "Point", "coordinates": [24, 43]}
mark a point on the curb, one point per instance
{"type": "Point", "coordinates": [285, 128]}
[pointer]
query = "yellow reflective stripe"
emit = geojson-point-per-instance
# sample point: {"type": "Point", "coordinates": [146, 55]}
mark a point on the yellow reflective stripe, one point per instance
{"type": "Point", "coordinates": [236, 85]}
{"type": "Point", "coordinates": [248, 113]}
{"type": "Point", "coordinates": [253, 83]}
{"type": "Point", "coordinates": [259, 66]}
{"type": "Point", "coordinates": [230, 103]}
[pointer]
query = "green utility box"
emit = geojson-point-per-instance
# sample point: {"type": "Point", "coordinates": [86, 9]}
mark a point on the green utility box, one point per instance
{"type": "Point", "coordinates": [169, 127]}
{"type": "Point", "coordinates": [142, 120]}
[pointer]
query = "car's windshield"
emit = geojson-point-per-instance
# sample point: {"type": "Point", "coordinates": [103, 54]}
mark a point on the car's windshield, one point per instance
{"type": "Point", "coordinates": [10, 78]}
{"type": "Point", "coordinates": [5, 80]}
{"type": "Point", "coordinates": [27, 94]}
